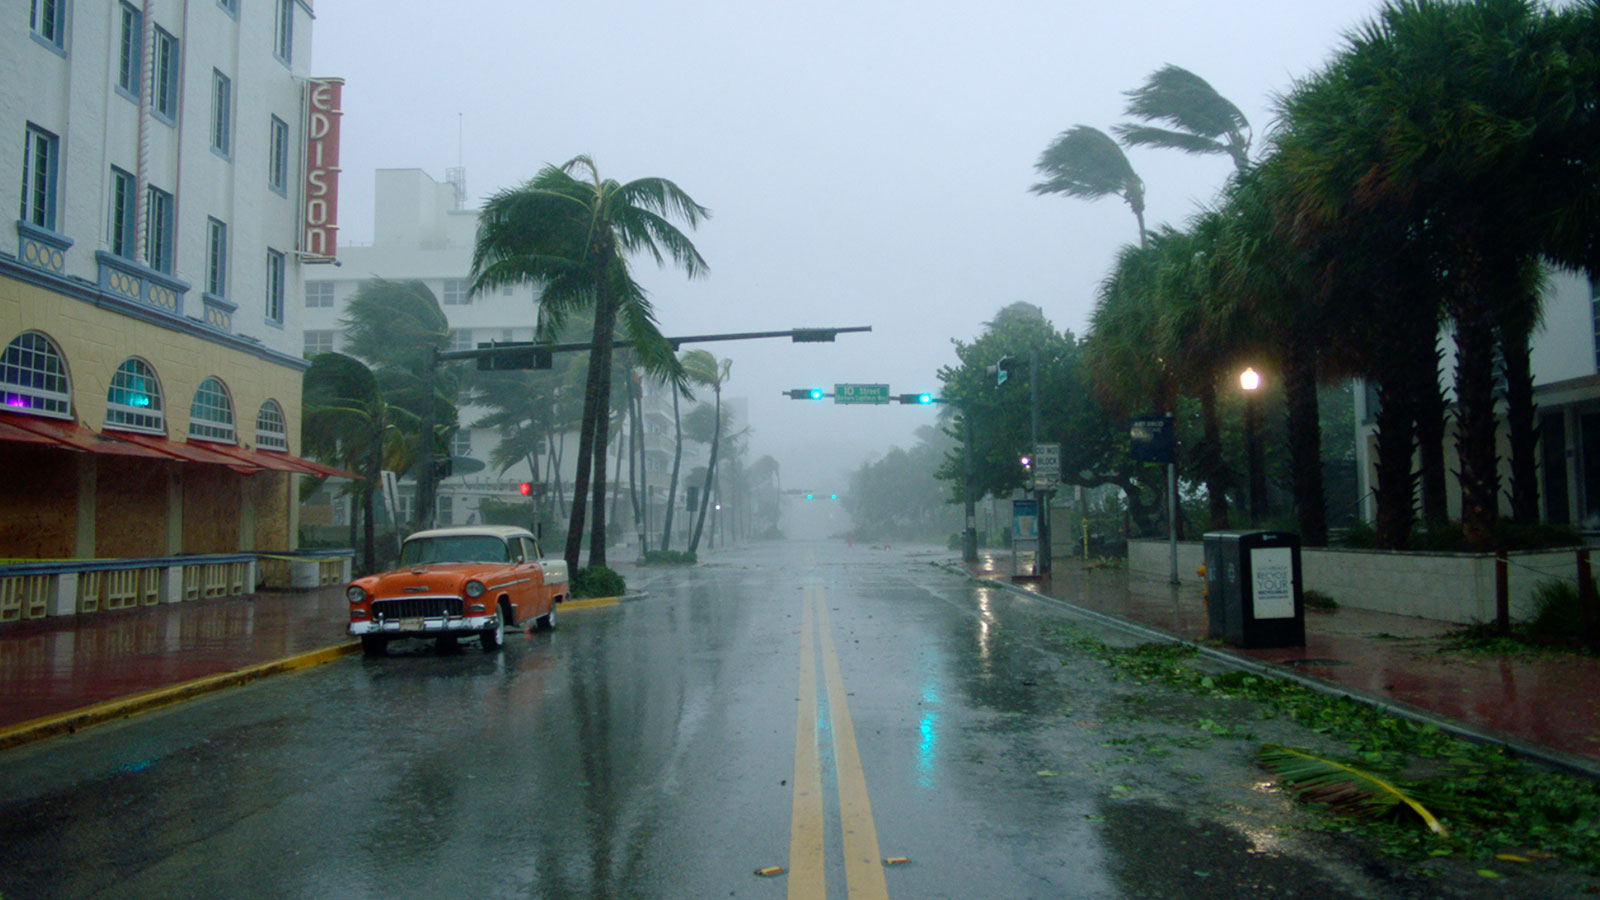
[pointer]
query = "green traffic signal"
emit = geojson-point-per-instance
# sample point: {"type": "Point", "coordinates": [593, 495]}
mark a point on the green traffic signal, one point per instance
{"type": "Point", "coordinates": [805, 394]}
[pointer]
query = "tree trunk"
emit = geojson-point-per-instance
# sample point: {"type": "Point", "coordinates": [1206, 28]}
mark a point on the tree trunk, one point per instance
{"type": "Point", "coordinates": [1396, 490]}
{"type": "Point", "coordinates": [369, 536]}
{"type": "Point", "coordinates": [1432, 410]}
{"type": "Point", "coordinates": [1305, 440]}
{"type": "Point", "coordinates": [711, 471]}
{"type": "Point", "coordinates": [592, 411]}
{"type": "Point", "coordinates": [641, 501]}
{"type": "Point", "coordinates": [1209, 454]}
{"type": "Point", "coordinates": [606, 315]}
{"type": "Point", "coordinates": [1475, 437]}
{"type": "Point", "coordinates": [1521, 412]}
{"type": "Point", "coordinates": [672, 486]}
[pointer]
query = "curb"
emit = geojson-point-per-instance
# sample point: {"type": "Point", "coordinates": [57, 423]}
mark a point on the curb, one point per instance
{"type": "Point", "coordinates": [1549, 757]}
{"type": "Point", "coordinates": [123, 707]}
{"type": "Point", "coordinates": [590, 603]}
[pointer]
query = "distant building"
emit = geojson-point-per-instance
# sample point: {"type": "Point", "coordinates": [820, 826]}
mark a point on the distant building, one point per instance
{"type": "Point", "coordinates": [151, 371]}
{"type": "Point", "coordinates": [1566, 372]}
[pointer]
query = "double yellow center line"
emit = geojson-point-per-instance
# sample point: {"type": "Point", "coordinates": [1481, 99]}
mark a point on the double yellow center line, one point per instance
{"type": "Point", "coordinates": [862, 866]}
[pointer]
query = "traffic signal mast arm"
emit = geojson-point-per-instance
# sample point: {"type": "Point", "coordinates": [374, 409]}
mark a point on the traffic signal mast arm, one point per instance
{"type": "Point", "coordinates": [797, 335]}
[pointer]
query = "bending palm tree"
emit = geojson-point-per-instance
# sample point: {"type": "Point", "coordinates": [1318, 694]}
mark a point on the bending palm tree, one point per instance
{"type": "Point", "coordinates": [1203, 121]}
{"type": "Point", "coordinates": [1085, 162]}
{"type": "Point", "coordinates": [569, 232]}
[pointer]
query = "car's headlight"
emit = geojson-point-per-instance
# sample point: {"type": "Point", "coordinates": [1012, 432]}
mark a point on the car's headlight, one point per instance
{"type": "Point", "coordinates": [474, 589]}
{"type": "Point", "coordinates": [355, 594]}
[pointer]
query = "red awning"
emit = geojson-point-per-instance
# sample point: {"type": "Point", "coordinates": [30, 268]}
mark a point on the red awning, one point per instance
{"type": "Point", "coordinates": [312, 467]}
{"type": "Point", "coordinates": [278, 462]}
{"type": "Point", "coordinates": [188, 452]}
{"type": "Point", "coordinates": [70, 435]}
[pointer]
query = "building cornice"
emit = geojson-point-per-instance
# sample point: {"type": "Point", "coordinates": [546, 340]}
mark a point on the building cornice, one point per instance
{"type": "Point", "coordinates": [86, 292]}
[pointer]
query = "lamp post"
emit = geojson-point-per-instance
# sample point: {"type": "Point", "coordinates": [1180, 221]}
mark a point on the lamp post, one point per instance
{"type": "Point", "coordinates": [1251, 383]}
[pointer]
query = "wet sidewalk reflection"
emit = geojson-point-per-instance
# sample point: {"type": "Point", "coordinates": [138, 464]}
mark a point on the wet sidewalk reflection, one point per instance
{"type": "Point", "coordinates": [1548, 699]}
{"type": "Point", "coordinates": [62, 664]}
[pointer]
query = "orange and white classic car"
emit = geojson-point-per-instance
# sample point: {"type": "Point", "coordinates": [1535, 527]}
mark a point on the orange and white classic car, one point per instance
{"type": "Point", "coordinates": [471, 581]}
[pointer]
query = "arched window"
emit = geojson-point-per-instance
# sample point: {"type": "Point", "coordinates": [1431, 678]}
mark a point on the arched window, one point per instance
{"type": "Point", "coordinates": [33, 377]}
{"type": "Point", "coordinates": [211, 413]}
{"type": "Point", "coordinates": [271, 432]}
{"type": "Point", "coordinates": [134, 401]}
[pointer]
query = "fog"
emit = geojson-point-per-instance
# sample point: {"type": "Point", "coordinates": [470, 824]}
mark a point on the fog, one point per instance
{"type": "Point", "coordinates": [866, 162]}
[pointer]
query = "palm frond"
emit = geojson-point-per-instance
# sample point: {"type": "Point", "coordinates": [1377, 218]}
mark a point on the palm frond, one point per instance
{"type": "Point", "coordinates": [1344, 786]}
{"type": "Point", "coordinates": [1085, 162]}
{"type": "Point", "coordinates": [1179, 97]}
{"type": "Point", "coordinates": [1151, 136]}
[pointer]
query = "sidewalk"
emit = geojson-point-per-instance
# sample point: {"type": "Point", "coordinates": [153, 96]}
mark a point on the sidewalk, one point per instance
{"type": "Point", "coordinates": [1551, 702]}
{"type": "Point", "coordinates": [62, 664]}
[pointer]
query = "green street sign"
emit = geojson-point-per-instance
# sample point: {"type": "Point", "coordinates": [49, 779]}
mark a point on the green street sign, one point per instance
{"type": "Point", "coordinates": [861, 393]}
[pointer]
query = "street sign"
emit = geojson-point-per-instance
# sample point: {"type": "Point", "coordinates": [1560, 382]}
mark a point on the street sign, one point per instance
{"type": "Point", "coordinates": [1046, 467]}
{"type": "Point", "coordinates": [861, 393]}
{"type": "Point", "coordinates": [1151, 439]}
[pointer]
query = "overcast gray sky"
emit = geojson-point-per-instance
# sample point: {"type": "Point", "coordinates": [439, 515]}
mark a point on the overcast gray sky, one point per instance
{"type": "Point", "coordinates": [866, 161]}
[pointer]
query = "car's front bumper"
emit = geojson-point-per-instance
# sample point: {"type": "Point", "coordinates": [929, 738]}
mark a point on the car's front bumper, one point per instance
{"type": "Point", "coordinates": [422, 627]}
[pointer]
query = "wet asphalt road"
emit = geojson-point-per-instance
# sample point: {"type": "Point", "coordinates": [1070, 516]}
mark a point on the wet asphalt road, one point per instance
{"type": "Point", "coordinates": [814, 707]}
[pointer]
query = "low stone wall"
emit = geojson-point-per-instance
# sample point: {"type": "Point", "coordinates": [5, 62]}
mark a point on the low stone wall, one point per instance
{"type": "Point", "coordinates": [1448, 587]}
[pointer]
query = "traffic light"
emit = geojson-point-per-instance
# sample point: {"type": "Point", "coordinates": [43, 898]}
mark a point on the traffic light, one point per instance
{"type": "Point", "coordinates": [920, 399]}
{"type": "Point", "coordinates": [442, 468]}
{"type": "Point", "coordinates": [805, 394]}
{"type": "Point", "coordinates": [833, 496]}
{"type": "Point", "coordinates": [1002, 369]}
{"type": "Point", "coordinates": [809, 495]}
{"type": "Point", "coordinates": [525, 489]}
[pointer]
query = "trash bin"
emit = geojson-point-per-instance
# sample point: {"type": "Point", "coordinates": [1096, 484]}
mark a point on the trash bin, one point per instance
{"type": "Point", "coordinates": [1253, 593]}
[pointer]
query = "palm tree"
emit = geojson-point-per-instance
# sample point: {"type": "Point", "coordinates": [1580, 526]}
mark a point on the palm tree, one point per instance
{"type": "Point", "coordinates": [719, 377]}
{"type": "Point", "coordinates": [698, 367]}
{"type": "Point", "coordinates": [1085, 162]}
{"type": "Point", "coordinates": [569, 232]}
{"type": "Point", "coordinates": [346, 419]}
{"type": "Point", "coordinates": [395, 326]}
{"type": "Point", "coordinates": [1202, 120]}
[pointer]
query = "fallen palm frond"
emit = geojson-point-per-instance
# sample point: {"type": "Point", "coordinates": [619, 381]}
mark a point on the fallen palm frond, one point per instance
{"type": "Point", "coordinates": [1340, 785]}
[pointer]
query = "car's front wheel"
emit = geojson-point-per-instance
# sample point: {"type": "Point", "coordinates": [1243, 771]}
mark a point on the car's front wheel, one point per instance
{"type": "Point", "coordinates": [494, 636]}
{"type": "Point", "coordinates": [547, 622]}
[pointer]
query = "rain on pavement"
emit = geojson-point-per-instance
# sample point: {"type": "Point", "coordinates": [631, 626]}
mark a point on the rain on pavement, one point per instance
{"type": "Point", "coordinates": [651, 749]}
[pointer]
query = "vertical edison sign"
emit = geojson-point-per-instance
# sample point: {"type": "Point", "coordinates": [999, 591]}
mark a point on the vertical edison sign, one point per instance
{"type": "Point", "coordinates": [322, 168]}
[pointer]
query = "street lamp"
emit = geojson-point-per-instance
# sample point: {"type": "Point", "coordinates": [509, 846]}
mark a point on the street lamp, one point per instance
{"type": "Point", "coordinates": [1250, 381]}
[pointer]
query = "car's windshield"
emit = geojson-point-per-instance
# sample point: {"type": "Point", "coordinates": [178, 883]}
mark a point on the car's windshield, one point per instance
{"type": "Point", "coordinates": [454, 548]}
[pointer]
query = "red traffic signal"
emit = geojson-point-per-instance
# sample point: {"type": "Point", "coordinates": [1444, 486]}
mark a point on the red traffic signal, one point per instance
{"type": "Point", "coordinates": [525, 489]}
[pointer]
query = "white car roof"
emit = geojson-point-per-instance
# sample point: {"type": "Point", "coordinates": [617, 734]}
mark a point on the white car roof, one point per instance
{"type": "Point", "coordinates": [503, 532]}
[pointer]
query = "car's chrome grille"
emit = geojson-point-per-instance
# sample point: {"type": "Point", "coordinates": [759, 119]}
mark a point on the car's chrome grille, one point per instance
{"type": "Point", "coordinates": [417, 608]}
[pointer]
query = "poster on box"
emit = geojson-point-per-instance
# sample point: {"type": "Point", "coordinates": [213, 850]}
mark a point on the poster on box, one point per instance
{"type": "Point", "coordinates": [1272, 582]}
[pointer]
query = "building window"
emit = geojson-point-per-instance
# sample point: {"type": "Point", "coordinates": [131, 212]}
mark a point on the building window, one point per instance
{"type": "Point", "coordinates": [216, 258]}
{"type": "Point", "coordinates": [461, 339]}
{"type": "Point", "coordinates": [271, 432]}
{"type": "Point", "coordinates": [164, 102]}
{"type": "Point", "coordinates": [158, 230]}
{"type": "Point", "coordinates": [447, 510]}
{"type": "Point", "coordinates": [130, 51]}
{"type": "Point", "coordinates": [33, 377]}
{"type": "Point", "coordinates": [461, 443]}
{"type": "Point", "coordinates": [134, 401]}
{"type": "Point", "coordinates": [455, 292]}
{"type": "Point", "coordinates": [48, 19]}
{"type": "Point", "coordinates": [318, 342]}
{"type": "Point", "coordinates": [283, 34]}
{"type": "Point", "coordinates": [319, 295]}
{"type": "Point", "coordinates": [40, 159]}
{"type": "Point", "coordinates": [221, 112]}
{"type": "Point", "coordinates": [275, 286]}
{"type": "Point", "coordinates": [124, 212]}
{"type": "Point", "coordinates": [211, 413]}
{"type": "Point", "coordinates": [231, 7]}
{"type": "Point", "coordinates": [278, 156]}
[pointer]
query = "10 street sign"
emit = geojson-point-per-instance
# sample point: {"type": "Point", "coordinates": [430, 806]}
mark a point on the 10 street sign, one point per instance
{"type": "Point", "coordinates": [861, 393]}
